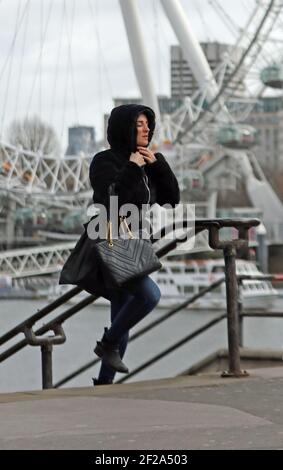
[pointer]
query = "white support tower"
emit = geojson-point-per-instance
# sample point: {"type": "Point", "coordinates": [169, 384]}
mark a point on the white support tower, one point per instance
{"type": "Point", "coordinates": [191, 48]}
{"type": "Point", "coordinates": [139, 56]}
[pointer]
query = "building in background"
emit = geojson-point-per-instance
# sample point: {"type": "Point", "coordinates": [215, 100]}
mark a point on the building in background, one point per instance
{"type": "Point", "coordinates": [267, 118]}
{"type": "Point", "coordinates": [183, 82]}
{"type": "Point", "coordinates": [81, 139]}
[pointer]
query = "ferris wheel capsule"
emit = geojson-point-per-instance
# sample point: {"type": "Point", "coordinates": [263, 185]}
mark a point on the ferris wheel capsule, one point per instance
{"type": "Point", "coordinates": [73, 220]}
{"type": "Point", "coordinates": [24, 214]}
{"type": "Point", "coordinates": [272, 76]}
{"type": "Point", "coordinates": [237, 137]}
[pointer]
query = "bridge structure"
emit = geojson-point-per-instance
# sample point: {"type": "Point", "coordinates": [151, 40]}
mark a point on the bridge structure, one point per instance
{"type": "Point", "coordinates": [34, 261]}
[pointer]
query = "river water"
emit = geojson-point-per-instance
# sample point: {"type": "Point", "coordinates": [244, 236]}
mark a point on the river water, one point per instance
{"type": "Point", "coordinates": [23, 370]}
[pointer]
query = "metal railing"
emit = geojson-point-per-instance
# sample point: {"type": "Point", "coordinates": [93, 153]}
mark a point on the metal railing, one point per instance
{"type": "Point", "coordinates": [229, 248]}
{"type": "Point", "coordinates": [149, 327]}
{"type": "Point", "coordinates": [243, 314]}
{"type": "Point", "coordinates": [240, 318]}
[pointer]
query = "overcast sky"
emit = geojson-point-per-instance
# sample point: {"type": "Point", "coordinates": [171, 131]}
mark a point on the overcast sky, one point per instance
{"type": "Point", "coordinates": [66, 59]}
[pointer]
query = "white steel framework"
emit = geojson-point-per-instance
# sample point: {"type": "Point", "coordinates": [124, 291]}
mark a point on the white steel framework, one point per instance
{"type": "Point", "coordinates": [34, 261]}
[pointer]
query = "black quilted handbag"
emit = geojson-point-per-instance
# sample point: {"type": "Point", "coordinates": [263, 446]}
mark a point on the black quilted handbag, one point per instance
{"type": "Point", "coordinates": [124, 260]}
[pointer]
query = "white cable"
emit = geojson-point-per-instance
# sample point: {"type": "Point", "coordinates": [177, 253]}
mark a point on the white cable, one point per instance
{"type": "Point", "coordinates": [40, 56]}
{"type": "Point", "coordinates": [156, 42]}
{"type": "Point", "coordinates": [11, 57]}
{"type": "Point", "coordinates": [69, 37]}
{"type": "Point", "coordinates": [97, 33]}
{"type": "Point", "coordinates": [21, 64]}
{"type": "Point", "coordinates": [69, 63]}
{"type": "Point", "coordinates": [204, 24]}
{"type": "Point", "coordinates": [39, 59]}
{"type": "Point", "coordinates": [222, 15]}
{"type": "Point", "coordinates": [154, 36]}
{"type": "Point", "coordinates": [102, 62]}
{"type": "Point", "coordinates": [14, 39]}
{"type": "Point", "coordinates": [54, 90]}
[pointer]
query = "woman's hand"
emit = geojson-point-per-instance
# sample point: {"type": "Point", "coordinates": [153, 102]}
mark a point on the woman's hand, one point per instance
{"type": "Point", "coordinates": [147, 154]}
{"type": "Point", "coordinates": [137, 158]}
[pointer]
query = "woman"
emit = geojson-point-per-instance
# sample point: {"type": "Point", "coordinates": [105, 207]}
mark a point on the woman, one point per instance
{"type": "Point", "coordinates": [139, 177]}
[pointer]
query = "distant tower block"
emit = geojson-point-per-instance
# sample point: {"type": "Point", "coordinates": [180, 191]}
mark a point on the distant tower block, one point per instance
{"type": "Point", "coordinates": [81, 140]}
{"type": "Point", "coordinates": [183, 81]}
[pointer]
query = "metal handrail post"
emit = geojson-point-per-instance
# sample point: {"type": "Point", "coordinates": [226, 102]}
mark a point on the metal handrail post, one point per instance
{"type": "Point", "coordinates": [232, 312]}
{"type": "Point", "coordinates": [46, 366]}
{"type": "Point", "coordinates": [46, 345]}
{"type": "Point", "coordinates": [230, 248]}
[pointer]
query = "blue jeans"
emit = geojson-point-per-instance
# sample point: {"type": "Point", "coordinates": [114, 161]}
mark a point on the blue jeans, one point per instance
{"type": "Point", "coordinates": [128, 307]}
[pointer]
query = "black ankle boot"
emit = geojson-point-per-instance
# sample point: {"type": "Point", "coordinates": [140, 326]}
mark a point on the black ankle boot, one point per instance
{"type": "Point", "coordinates": [101, 381]}
{"type": "Point", "coordinates": [109, 352]}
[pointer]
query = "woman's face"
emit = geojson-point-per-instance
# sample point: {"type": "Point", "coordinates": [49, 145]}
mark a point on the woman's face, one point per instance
{"type": "Point", "coordinates": [142, 130]}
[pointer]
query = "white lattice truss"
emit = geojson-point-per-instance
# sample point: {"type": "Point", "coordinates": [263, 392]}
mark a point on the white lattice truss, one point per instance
{"type": "Point", "coordinates": [34, 261]}
{"type": "Point", "coordinates": [25, 172]}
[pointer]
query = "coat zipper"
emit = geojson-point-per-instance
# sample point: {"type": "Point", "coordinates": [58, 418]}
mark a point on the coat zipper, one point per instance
{"type": "Point", "coordinates": [145, 178]}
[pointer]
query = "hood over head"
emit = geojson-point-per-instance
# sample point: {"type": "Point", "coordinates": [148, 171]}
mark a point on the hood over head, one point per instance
{"type": "Point", "coordinates": [121, 131]}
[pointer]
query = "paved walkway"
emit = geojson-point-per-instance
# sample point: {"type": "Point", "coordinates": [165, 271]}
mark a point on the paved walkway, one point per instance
{"type": "Point", "coordinates": [200, 412]}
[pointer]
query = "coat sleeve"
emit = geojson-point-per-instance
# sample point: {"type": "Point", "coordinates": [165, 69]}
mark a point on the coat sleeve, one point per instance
{"type": "Point", "coordinates": [167, 188]}
{"type": "Point", "coordinates": [104, 172]}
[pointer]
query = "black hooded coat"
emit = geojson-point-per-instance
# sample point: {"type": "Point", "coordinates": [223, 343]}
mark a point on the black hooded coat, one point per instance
{"type": "Point", "coordinates": [113, 165]}
{"type": "Point", "coordinates": [152, 183]}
